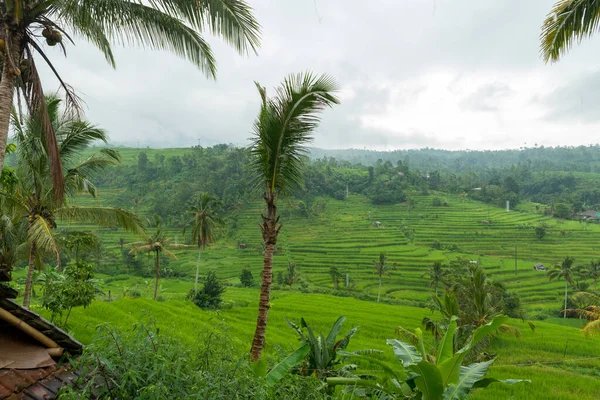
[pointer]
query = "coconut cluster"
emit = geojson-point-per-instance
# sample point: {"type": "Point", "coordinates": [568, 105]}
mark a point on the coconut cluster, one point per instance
{"type": "Point", "coordinates": [52, 36]}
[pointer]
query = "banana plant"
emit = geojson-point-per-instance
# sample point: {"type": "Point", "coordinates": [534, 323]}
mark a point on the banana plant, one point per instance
{"type": "Point", "coordinates": [427, 378]}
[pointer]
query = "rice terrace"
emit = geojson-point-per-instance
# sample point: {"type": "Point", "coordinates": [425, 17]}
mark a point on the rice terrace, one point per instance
{"type": "Point", "coordinates": [413, 214]}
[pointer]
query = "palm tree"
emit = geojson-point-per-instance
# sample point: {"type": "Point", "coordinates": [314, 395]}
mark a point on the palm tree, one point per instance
{"type": "Point", "coordinates": [171, 25]}
{"type": "Point", "coordinates": [566, 271]}
{"type": "Point", "coordinates": [158, 243]}
{"type": "Point", "coordinates": [567, 22]}
{"type": "Point", "coordinates": [205, 221]}
{"type": "Point", "coordinates": [32, 196]}
{"type": "Point", "coordinates": [593, 272]}
{"type": "Point", "coordinates": [381, 268]}
{"type": "Point", "coordinates": [13, 243]}
{"type": "Point", "coordinates": [335, 274]}
{"type": "Point", "coordinates": [437, 274]}
{"type": "Point", "coordinates": [282, 132]}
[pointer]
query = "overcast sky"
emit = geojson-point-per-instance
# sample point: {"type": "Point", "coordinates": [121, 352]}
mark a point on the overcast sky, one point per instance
{"type": "Point", "coordinates": [452, 74]}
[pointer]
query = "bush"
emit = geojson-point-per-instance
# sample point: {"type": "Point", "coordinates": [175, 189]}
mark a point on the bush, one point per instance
{"type": "Point", "coordinates": [246, 278]}
{"type": "Point", "coordinates": [210, 295]}
{"type": "Point", "coordinates": [144, 364]}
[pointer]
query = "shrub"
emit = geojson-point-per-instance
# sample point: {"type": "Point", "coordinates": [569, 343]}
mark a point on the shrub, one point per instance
{"type": "Point", "coordinates": [145, 364]}
{"type": "Point", "coordinates": [210, 295]}
{"type": "Point", "coordinates": [246, 278]}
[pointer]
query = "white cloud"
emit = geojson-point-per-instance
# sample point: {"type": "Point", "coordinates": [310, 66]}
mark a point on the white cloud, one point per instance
{"type": "Point", "coordinates": [414, 73]}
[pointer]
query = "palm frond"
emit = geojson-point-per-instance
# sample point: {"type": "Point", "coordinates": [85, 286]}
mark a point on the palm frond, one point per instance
{"type": "Point", "coordinates": [104, 216]}
{"type": "Point", "coordinates": [283, 130]}
{"type": "Point", "coordinates": [135, 23]}
{"type": "Point", "coordinates": [232, 20]}
{"type": "Point", "coordinates": [567, 22]}
{"type": "Point", "coordinates": [168, 253]}
{"type": "Point", "coordinates": [40, 233]}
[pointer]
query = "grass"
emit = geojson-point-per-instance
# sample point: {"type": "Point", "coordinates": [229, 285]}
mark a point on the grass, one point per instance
{"type": "Point", "coordinates": [558, 358]}
{"type": "Point", "coordinates": [561, 361]}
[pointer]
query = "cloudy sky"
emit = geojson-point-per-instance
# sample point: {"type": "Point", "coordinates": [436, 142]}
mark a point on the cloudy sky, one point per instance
{"type": "Point", "coordinates": [452, 74]}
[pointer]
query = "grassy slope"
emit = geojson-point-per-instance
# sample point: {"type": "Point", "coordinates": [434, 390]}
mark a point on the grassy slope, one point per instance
{"type": "Point", "coordinates": [547, 356]}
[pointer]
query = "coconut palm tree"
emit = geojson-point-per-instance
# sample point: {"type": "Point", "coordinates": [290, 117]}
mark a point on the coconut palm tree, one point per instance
{"type": "Point", "coordinates": [437, 274]}
{"type": "Point", "coordinates": [171, 25]}
{"type": "Point", "coordinates": [32, 194]}
{"type": "Point", "coordinates": [566, 271]}
{"type": "Point", "coordinates": [282, 132]}
{"type": "Point", "coordinates": [158, 243]}
{"type": "Point", "coordinates": [204, 222]}
{"type": "Point", "coordinates": [381, 268]}
{"type": "Point", "coordinates": [567, 22]}
{"type": "Point", "coordinates": [593, 272]}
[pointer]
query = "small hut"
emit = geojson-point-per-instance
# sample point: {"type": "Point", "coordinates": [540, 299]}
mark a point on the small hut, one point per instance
{"type": "Point", "coordinates": [30, 347]}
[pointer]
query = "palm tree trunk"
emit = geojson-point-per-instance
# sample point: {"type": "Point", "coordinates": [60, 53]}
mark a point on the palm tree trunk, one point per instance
{"type": "Point", "coordinates": [379, 292]}
{"type": "Point", "coordinates": [29, 280]}
{"type": "Point", "coordinates": [7, 89]}
{"type": "Point", "coordinates": [157, 271]}
{"type": "Point", "coordinates": [197, 271]}
{"type": "Point", "coordinates": [566, 294]}
{"type": "Point", "coordinates": [270, 230]}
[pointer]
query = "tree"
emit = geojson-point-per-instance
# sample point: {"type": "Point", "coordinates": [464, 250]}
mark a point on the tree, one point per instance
{"type": "Point", "coordinates": [76, 241]}
{"type": "Point", "coordinates": [437, 274]}
{"type": "Point", "coordinates": [205, 221]}
{"type": "Point", "coordinates": [335, 276]}
{"type": "Point", "coordinates": [157, 243]}
{"type": "Point", "coordinates": [567, 272]}
{"type": "Point", "coordinates": [568, 21]}
{"type": "Point", "coordinates": [282, 132]}
{"type": "Point", "coordinates": [381, 268]}
{"type": "Point", "coordinates": [246, 278]}
{"type": "Point", "coordinates": [171, 25]}
{"type": "Point", "coordinates": [540, 232]}
{"type": "Point", "coordinates": [210, 295]}
{"type": "Point", "coordinates": [32, 195]}
{"type": "Point", "coordinates": [593, 272]}
{"type": "Point", "coordinates": [562, 210]}
{"type": "Point", "coordinates": [291, 274]}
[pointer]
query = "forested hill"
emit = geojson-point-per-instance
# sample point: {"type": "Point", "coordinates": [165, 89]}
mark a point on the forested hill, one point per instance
{"type": "Point", "coordinates": [164, 181]}
{"type": "Point", "coordinates": [581, 158]}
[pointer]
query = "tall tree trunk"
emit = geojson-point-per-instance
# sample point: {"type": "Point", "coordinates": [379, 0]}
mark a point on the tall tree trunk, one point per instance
{"type": "Point", "coordinates": [7, 89]}
{"type": "Point", "coordinates": [379, 291]}
{"type": "Point", "coordinates": [197, 271]}
{"type": "Point", "coordinates": [566, 294]}
{"type": "Point", "coordinates": [270, 230]}
{"type": "Point", "coordinates": [29, 280]}
{"type": "Point", "coordinates": [157, 271]}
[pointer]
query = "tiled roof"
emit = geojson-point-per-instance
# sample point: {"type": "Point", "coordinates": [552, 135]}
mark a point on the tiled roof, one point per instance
{"type": "Point", "coordinates": [37, 383]}
{"type": "Point", "coordinates": [65, 341]}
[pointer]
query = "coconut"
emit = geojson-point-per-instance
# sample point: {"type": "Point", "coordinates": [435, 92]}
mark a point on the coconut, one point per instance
{"type": "Point", "coordinates": [56, 36]}
{"type": "Point", "coordinates": [47, 32]}
{"type": "Point", "coordinates": [2, 44]}
{"type": "Point", "coordinates": [51, 42]}
{"type": "Point", "coordinates": [14, 71]}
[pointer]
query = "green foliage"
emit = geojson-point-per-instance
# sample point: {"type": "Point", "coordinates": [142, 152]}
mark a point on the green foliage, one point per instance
{"type": "Point", "coordinates": [562, 210]}
{"type": "Point", "coordinates": [76, 287]}
{"type": "Point", "coordinates": [324, 351]}
{"type": "Point", "coordinates": [246, 278]}
{"type": "Point", "coordinates": [540, 231]}
{"type": "Point", "coordinates": [442, 377]}
{"type": "Point", "coordinates": [211, 294]}
{"type": "Point", "coordinates": [145, 363]}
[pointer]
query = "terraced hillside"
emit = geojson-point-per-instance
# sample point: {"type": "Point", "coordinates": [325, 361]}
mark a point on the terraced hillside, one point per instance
{"type": "Point", "coordinates": [344, 235]}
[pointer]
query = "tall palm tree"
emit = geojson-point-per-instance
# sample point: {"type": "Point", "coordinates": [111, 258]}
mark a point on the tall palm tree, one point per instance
{"type": "Point", "coordinates": [204, 222]}
{"type": "Point", "coordinates": [568, 21]}
{"type": "Point", "coordinates": [32, 195]}
{"type": "Point", "coordinates": [566, 271]}
{"type": "Point", "coordinates": [171, 25]}
{"type": "Point", "coordinates": [437, 274]}
{"type": "Point", "coordinates": [593, 272]}
{"type": "Point", "coordinates": [282, 132]}
{"type": "Point", "coordinates": [158, 243]}
{"type": "Point", "coordinates": [381, 268]}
